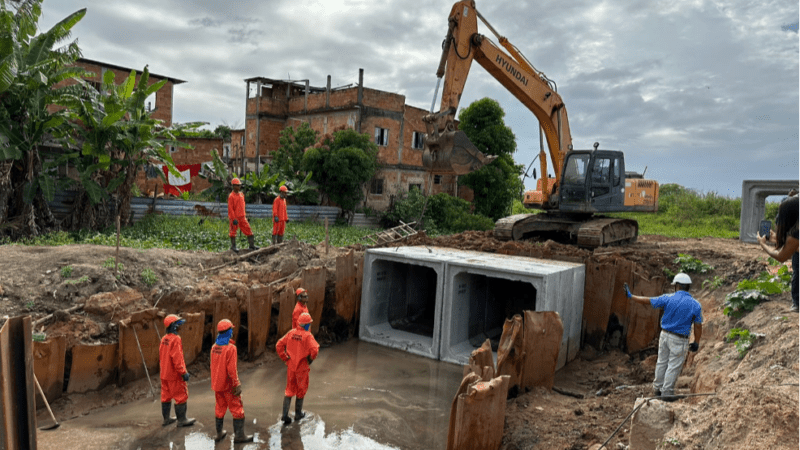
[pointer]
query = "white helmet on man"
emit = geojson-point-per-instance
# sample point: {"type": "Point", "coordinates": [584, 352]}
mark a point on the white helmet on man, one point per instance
{"type": "Point", "coordinates": [682, 278]}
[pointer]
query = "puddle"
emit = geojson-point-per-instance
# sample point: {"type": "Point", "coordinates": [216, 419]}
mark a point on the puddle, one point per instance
{"type": "Point", "coordinates": [361, 396]}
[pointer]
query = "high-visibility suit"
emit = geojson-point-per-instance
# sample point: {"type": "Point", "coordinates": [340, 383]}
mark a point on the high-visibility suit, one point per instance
{"type": "Point", "coordinates": [224, 377]}
{"type": "Point", "coordinates": [279, 216]}
{"type": "Point", "coordinates": [173, 366]}
{"type": "Point", "coordinates": [294, 348]}
{"type": "Point", "coordinates": [299, 308]}
{"type": "Point", "coordinates": [236, 212]}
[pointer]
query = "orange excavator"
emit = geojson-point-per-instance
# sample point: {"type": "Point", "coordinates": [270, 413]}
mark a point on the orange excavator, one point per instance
{"type": "Point", "coordinates": [586, 182]}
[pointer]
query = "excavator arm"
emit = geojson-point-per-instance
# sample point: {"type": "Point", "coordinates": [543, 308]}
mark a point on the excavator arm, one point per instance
{"type": "Point", "coordinates": [463, 45]}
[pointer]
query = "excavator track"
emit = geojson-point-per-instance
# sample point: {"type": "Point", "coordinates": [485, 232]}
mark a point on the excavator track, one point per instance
{"type": "Point", "coordinates": [583, 230]}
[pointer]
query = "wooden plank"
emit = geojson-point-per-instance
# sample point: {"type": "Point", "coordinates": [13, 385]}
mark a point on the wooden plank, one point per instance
{"type": "Point", "coordinates": [191, 334]}
{"type": "Point", "coordinates": [48, 366]}
{"type": "Point", "coordinates": [227, 308]}
{"type": "Point", "coordinates": [314, 283]}
{"type": "Point", "coordinates": [598, 295]}
{"type": "Point", "coordinates": [131, 364]}
{"type": "Point", "coordinates": [16, 373]}
{"type": "Point", "coordinates": [643, 321]}
{"type": "Point", "coordinates": [259, 317]}
{"type": "Point", "coordinates": [285, 295]}
{"type": "Point", "coordinates": [93, 367]}
{"type": "Point", "coordinates": [345, 304]}
{"type": "Point", "coordinates": [543, 332]}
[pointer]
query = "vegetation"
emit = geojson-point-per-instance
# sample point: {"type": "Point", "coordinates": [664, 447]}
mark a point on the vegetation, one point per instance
{"type": "Point", "coordinates": [743, 339]}
{"type": "Point", "coordinates": [690, 264]}
{"type": "Point", "coordinates": [750, 293]}
{"type": "Point", "coordinates": [444, 214]}
{"type": "Point", "coordinates": [496, 185]}
{"type": "Point", "coordinates": [714, 283]}
{"type": "Point", "coordinates": [149, 278]}
{"type": "Point", "coordinates": [66, 271]}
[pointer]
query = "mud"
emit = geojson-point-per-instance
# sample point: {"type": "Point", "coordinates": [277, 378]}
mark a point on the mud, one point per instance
{"type": "Point", "coordinates": [361, 396]}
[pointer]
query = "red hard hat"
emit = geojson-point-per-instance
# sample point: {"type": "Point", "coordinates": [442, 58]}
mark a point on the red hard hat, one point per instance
{"type": "Point", "coordinates": [299, 291]}
{"type": "Point", "coordinates": [224, 325]}
{"type": "Point", "coordinates": [304, 319]}
{"type": "Point", "coordinates": [236, 181]}
{"type": "Point", "coordinates": [284, 189]}
{"type": "Point", "coordinates": [170, 319]}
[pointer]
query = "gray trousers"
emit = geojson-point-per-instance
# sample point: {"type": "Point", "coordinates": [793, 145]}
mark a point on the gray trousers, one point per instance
{"type": "Point", "coordinates": [672, 352]}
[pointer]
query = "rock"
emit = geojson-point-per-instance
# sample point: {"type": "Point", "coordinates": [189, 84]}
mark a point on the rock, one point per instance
{"type": "Point", "coordinates": [649, 424]}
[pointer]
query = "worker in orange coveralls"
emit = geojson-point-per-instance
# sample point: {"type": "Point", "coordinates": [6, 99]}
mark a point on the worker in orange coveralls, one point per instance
{"type": "Point", "coordinates": [279, 216]}
{"type": "Point", "coordinates": [298, 349]}
{"type": "Point", "coordinates": [301, 306]}
{"type": "Point", "coordinates": [225, 383]}
{"type": "Point", "coordinates": [236, 216]}
{"type": "Point", "coordinates": [173, 374]}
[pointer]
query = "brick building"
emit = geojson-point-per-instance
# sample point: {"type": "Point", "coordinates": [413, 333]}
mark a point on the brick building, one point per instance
{"type": "Point", "coordinates": [398, 130]}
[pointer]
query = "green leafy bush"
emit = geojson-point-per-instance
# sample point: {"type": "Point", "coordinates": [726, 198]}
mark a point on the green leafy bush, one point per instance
{"type": "Point", "coordinates": [149, 277]}
{"type": "Point", "coordinates": [66, 271]}
{"type": "Point", "coordinates": [769, 284]}
{"type": "Point", "coordinates": [743, 339]}
{"type": "Point", "coordinates": [689, 264]}
{"type": "Point", "coordinates": [714, 283]}
{"type": "Point", "coordinates": [80, 280]}
{"type": "Point", "coordinates": [740, 301]}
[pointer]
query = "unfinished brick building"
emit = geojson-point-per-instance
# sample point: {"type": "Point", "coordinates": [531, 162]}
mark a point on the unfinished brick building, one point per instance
{"type": "Point", "coordinates": [399, 132]}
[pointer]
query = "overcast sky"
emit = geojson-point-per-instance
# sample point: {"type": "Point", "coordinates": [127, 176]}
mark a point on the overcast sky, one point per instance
{"type": "Point", "coordinates": [704, 93]}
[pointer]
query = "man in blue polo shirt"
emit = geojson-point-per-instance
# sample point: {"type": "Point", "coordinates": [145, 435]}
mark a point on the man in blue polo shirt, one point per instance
{"type": "Point", "coordinates": [681, 310]}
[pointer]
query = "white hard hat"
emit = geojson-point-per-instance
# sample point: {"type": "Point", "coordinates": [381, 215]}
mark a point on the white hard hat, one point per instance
{"type": "Point", "coordinates": [682, 278]}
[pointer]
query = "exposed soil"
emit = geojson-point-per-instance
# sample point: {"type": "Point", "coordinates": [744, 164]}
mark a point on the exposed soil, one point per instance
{"type": "Point", "coordinates": [756, 397]}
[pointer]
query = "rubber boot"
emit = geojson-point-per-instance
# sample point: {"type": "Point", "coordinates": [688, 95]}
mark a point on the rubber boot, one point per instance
{"type": "Point", "coordinates": [280, 239]}
{"type": "Point", "coordinates": [220, 432]}
{"type": "Point", "coordinates": [180, 411]}
{"type": "Point", "coordinates": [287, 401]}
{"type": "Point", "coordinates": [238, 430]}
{"type": "Point", "coordinates": [273, 239]}
{"type": "Point", "coordinates": [165, 409]}
{"type": "Point", "coordinates": [298, 410]}
{"type": "Point", "coordinates": [252, 241]}
{"type": "Point", "coordinates": [233, 245]}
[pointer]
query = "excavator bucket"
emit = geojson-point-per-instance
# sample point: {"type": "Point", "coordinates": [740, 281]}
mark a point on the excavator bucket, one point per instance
{"type": "Point", "coordinates": [452, 153]}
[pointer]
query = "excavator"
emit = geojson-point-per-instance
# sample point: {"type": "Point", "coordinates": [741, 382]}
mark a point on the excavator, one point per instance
{"type": "Point", "coordinates": [586, 182]}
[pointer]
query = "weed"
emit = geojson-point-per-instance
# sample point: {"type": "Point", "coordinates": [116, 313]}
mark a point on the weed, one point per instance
{"type": "Point", "coordinates": [109, 264]}
{"type": "Point", "coordinates": [80, 280]}
{"type": "Point", "coordinates": [689, 264]}
{"type": "Point", "coordinates": [742, 338]}
{"type": "Point", "coordinates": [66, 271]}
{"type": "Point", "coordinates": [30, 304]}
{"type": "Point", "coordinates": [149, 277]}
{"type": "Point", "coordinates": [715, 283]}
{"type": "Point", "coordinates": [670, 274]}
{"type": "Point", "coordinates": [739, 301]}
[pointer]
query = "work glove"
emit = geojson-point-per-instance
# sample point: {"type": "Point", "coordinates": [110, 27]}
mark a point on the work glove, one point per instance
{"type": "Point", "coordinates": [627, 290]}
{"type": "Point", "coordinates": [309, 359]}
{"type": "Point", "coordinates": [694, 346]}
{"type": "Point", "coordinates": [237, 391]}
{"type": "Point", "coordinates": [276, 219]}
{"type": "Point", "coordinates": [186, 376]}
{"type": "Point", "coordinates": [235, 222]}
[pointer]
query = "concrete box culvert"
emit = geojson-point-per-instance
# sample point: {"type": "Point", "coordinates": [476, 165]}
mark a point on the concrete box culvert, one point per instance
{"type": "Point", "coordinates": [444, 303]}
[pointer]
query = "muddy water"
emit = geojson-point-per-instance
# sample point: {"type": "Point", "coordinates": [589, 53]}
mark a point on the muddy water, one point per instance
{"type": "Point", "coordinates": [362, 396]}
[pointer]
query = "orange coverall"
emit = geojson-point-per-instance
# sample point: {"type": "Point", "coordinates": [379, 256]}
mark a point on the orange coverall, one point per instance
{"type": "Point", "coordinates": [224, 377]}
{"type": "Point", "coordinates": [236, 212]}
{"type": "Point", "coordinates": [299, 308]}
{"type": "Point", "coordinates": [279, 211]}
{"type": "Point", "coordinates": [170, 357]}
{"type": "Point", "coordinates": [293, 348]}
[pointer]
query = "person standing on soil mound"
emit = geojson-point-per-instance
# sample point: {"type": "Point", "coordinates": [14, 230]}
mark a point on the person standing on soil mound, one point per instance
{"type": "Point", "coordinates": [236, 216]}
{"type": "Point", "coordinates": [279, 216]}
{"type": "Point", "coordinates": [785, 239]}
{"type": "Point", "coordinates": [173, 374]}
{"type": "Point", "coordinates": [225, 383]}
{"type": "Point", "coordinates": [301, 306]}
{"type": "Point", "coordinates": [298, 349]}
{"type": "Point", "coordinates": [681, 310]}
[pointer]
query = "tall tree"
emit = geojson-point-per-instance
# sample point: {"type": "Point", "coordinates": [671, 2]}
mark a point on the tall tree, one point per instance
{"type": "Point", "coordinates": [497, 184]}
{"type": "Point", "coordinates": [341, 164]}
{"type": "Point", "coordinates": [287, 161]}
{"type": "Point", "coordinates": [31, 66]}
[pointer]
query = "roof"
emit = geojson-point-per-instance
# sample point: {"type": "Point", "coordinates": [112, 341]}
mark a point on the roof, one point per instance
{"type": "Point", "coordinates": [128, 69]}
{"type": "Point", "coordinates": [297, 83]}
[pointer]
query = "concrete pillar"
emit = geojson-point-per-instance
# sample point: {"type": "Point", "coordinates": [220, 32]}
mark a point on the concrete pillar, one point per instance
{"type": "Point", "coordinates": [754, 195]}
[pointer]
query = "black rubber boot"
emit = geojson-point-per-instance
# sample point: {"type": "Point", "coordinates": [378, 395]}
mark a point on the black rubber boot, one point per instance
{"type": "Point", "coordinates": [287, 401]}
{"type": "Point", "coordinates": [220, 432]}
{"type": "Point", "coordinates": [280, 239]}
{"type": "Point", "coordinates": [165, 409]}
{"type": "Point", "coordinates": [252, 241]}
{"type": "Point", "coordinates": [238, 430]}
{"type": "Point", "coordinates": [233, 245]}
{"type": "Point", "coordinates": [180, 411]}
{"type": "Point", "coordinates": [273, 239]}
{"type": "Point", "coordinates": [298, 410]}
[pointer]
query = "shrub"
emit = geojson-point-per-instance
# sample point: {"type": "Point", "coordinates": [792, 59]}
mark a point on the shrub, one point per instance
{"type": "Point", "coordinates": [149, 277]}
{"type": "Point", "coordinates": [739, 301]}
{"type": "Point", "coordinates": [689, 264]}
{"type": "Point", "coordinates": [743, 339]}
{"type": "Point", "coordinates": [66, 271]}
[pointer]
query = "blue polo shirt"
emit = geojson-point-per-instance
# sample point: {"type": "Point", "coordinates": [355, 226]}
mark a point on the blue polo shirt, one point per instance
{"type": "Point", "coordinates": [681, 310]}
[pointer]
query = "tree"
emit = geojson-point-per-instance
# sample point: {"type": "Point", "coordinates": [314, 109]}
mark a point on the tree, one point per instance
{"type": "Point", "coordinates": [288, 161]}
{"type": "Point", "coordinates": [342, 164]}
{"type": "Point", "coordinates": [30, 67]}
{"type": "Point", "coordinates": [497, 184]}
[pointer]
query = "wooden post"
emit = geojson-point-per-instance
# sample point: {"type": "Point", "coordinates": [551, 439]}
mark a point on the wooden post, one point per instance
{"type": "Point", "coordinates": [326, 236]}
{"type": "Point", "coordinates": [116, 258]}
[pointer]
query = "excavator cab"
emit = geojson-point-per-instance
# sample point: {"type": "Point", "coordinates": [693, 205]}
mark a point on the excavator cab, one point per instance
{"type": "Point", "coordinates": [593, 181]}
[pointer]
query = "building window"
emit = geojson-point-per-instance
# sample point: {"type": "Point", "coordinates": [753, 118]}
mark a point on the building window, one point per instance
{"type": "Point", "coordinates": [226, 150]}
{"type": "Point", "coordinates": [382, 136]}
{"type": "Point", "coordinates": [418, 140]}
{"type": "Point", "coordinates": [437, 179]}
{"type": "Point", "coordinates": [412, 186]}
{"type": "Point", "coordinates": [376, 187]}
{"type": "Point", "coordinates": [172, 149]}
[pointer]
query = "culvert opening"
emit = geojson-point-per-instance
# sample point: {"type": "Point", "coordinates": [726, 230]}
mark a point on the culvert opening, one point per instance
{"type": "Point", "coordinates": [410, 295]}
{"type": "Point", "coordinates": [488, 302]}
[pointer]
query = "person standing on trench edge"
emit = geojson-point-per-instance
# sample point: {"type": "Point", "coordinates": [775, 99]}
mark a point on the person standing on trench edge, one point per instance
{"type": "Point", "coordinates": [173, 374]}
{"type": "Point", "coordinates": [237, 218]}
{"type": "Point", "coordinates": [681, 310]}
{"type": "Point", "coordinates": [279, 216]}
{"type": "Point", "coordinates": [301, 306]}
{"type": "Point", "coordinates": [298, 349]}
{"type": "Point", "coordinates": [786, 240]}
{"type": "Point", "coordinates": [225, 383]}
